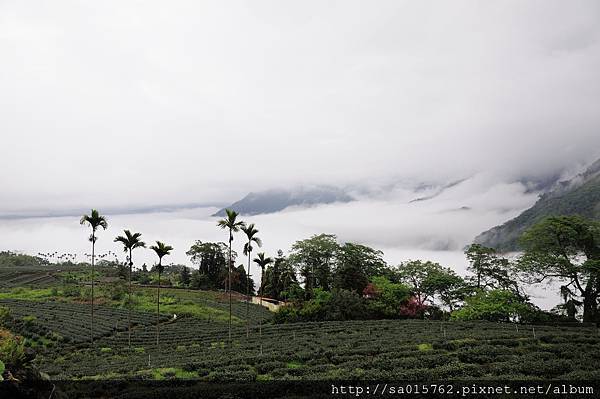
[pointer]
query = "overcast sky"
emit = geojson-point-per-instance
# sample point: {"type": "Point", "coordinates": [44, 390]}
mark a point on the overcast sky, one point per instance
{"type": "Point", "coordinates": [131, 103]}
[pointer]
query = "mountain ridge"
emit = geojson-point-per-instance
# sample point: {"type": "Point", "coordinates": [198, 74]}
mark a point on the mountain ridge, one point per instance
{"type": "Point", "coordinates": [579, 195]}
{"type": "Point", "coordinates": [275, 200]}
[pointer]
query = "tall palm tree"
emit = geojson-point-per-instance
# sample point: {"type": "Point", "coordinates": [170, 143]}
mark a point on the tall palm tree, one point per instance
{"type": "Point", "coordinates": [230, 222]}
{"type": "Point", "coordinates": [250, 232]}
{"type": "Point", "coordinates": [262, 261]}
{"type": "Point", "coordinates": [130, 242]}
{"type": "Point", "coordinates": [94, 220]}
{"type": "Point", "coordinates": [161, 250]}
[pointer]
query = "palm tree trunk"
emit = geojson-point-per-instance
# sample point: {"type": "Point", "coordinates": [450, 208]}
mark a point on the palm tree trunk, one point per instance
{"type": "Point", "coordinates": [93, 255]}
{"type": "Point", "coordinates": [129, 301]}
{"type": "Point", "coordinates": [262, 279]}
{"type": "Point", "coordinates": [248, 295]}
{"type": "Point", "coordinates": [158, 306]}
{"type": "Point", "coordinates": [229, 283]}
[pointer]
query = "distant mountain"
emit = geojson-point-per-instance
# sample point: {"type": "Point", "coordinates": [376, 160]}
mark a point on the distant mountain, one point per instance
{"type": "Point", "coordinates": [439, 191]}
{"type": "Point", "coordinates": [579, 195]}
{"type": "Point", "coordinates": [276, 200]}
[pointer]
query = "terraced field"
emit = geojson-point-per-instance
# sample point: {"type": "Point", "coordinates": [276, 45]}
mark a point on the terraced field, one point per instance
{"type": "Point", "coordinates": [195, 344]}
{"type": "Point", "coordinates": [72, 321]}
{"type": "Point", "coordinates": [33, 276]}
{"type": "Point", "coordinates": [379, 350]}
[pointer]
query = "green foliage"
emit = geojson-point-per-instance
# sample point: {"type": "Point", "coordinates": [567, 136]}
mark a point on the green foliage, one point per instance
{"type": "Point", "coordinates": [12, 349]}
{"type": "Point", "coordinates": [280, 280]}
{"type": "Point", "coordinates": [491, 271]}
{"type": "Point", "coordinates": [116, 291]}
{"type": "Point", "coordinates": [388, 298]}
{"type": "Point", "coordinates": [10, 259]}
{"type": "Point", "coordinates": [184, 277]}
{"type": "Point", "coordinates": [71, 290]}
{"type": "Point", "coordinates": [5, 315]}
{"type": "Point", "coordinates": [567, 248]}
{"type": "Point", "coordinates": [355, 264]}
{"type": "Point", "coordinates": [425, 347]}
{"type": "Point", "coordinates": [211, 260]}
{"type": "Point", "coordinates": [314, 259]}
{"type": "Point", "coordinates": [494, 305]}
{"type": "Point", "coordinates": [429, 281]}
{"type": "Point", "coordinates": [324, 305]}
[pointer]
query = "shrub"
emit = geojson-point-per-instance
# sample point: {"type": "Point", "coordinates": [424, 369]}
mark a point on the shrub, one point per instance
{"type": "Point", "coordinates": [4, 315]}
{"type": "Point", "coordinates": [71, 290]}
{"type": "Point", "coordinates": [12, 349]}
{"type": "Point", "coordinates": [494, 305]}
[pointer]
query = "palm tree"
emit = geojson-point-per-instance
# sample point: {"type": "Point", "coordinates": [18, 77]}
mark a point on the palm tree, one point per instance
{"type": "Point", "coordinates": [161, 250]}
{"type": "Point", "coordinates": [130, 242]}
{"type": "Point", "coordinates": [250, 232]}
{"type": "Point", "coordinates": [231, 223]}
{"type": "Point", "coordinates": [94, 220]}
{"type": "Point", "coordinates": [262, 261]}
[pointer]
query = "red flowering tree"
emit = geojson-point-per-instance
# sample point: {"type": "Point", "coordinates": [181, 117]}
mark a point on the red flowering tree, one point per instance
{"type": "Point", "coordinates": [413, 308]}
{"type": "Point", "coordinates": [371, 291]}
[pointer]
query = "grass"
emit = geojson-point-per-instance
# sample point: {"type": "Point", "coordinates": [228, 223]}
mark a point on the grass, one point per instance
{"type": "Point", "coordinates": [425, 347]}
{"type": "Point", "coordinates": [178, 303]}
{"type": "Point", "coordinates": [173, 301]}
{"type": "Point", "coordinates": [27, 294]}
{"type": "Point", "coordinates": [293, 365]}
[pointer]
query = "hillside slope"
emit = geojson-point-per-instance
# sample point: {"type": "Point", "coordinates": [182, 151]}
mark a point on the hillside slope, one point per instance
{"type": "Point", "coordinates": [276, 200]}
{"type": "Point", "coordinates": [578, 196]}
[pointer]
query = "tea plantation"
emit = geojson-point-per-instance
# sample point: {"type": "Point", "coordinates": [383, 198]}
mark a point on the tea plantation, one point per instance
{"type": "Point", "coordinates": [194, 348]}
{"type": "Point", "coordinates": [194, 342]}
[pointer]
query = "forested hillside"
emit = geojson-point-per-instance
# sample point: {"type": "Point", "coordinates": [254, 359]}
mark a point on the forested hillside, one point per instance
{"type": "Point", "coordinates": [578, 196]}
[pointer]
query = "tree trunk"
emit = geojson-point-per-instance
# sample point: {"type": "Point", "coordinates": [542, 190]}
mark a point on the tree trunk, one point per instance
{"type": "Point", "coordinates": [129, 301]}
{"type": "Point", "coordinates": [262, 279]}
{"type": "Point", "coordinates": [229, 283]}
{"type": "Point", "coordinates": [590, 307]}
{"type": "Point", "coordinates": [248, 294]}
{"type": "Point", "coordinates": [93, 255]}
{"type": "Point", "coordinates": [158, 306]}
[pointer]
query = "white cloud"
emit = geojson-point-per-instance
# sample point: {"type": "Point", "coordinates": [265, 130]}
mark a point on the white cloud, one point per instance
{"type": "Point", "coordinates": [129, 103]}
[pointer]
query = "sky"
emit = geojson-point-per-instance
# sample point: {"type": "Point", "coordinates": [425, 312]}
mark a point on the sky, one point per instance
{"type": "Point", "coordinates": [129, 103]}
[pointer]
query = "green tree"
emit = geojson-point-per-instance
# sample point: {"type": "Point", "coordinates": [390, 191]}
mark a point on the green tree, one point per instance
{"type": "Point", "coordinates": [130, 242]}
{"type": "Point", "coordinates": [239, 281]}
{"type": "Point", "coordinates": [445, 284]}
{"type": "Point", "coordinates": [416, 274]}
{"type": "Point", "coordinates": [251, 233]}
{"type": "Point", "coordinates": [230, 223]}
{"type": "Point", "coordinates": [184, 276]}
{"type": "Point", "coordinates": [386, 297]}
{"type": "Point", "coordinates": [494, 305]}
{"type": "Point", "coordinates": [315, 258]}
{"type": "Point", "coordinates": [492, 271]}
{"type": "Point", "coordinates": [211, 259]}
{"type": "Point", "coordinates": [429, 281]}
{"type": "Point", "coordinates": [355, 264]}
{"type": "Point", "coordinates": [161, 250]}
{"type": "Point", "coordinates": [565, 248]}
{"type": "Point", "coordinates": [262, 261]}
{"type": "Point", "coordinates": [93, 220]}
{"type": "Point", "coordinates": [277, 275]}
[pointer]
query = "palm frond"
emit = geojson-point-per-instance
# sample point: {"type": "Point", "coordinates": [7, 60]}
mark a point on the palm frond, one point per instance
{"type": "Point", "coordinates": [161, 249]}
{"type": "Point", "coordinates": [262, 260]}
{"type": "Point", "coordinates": [130, 241]}
{"type": "Point", "coordinates": [94, 220]}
